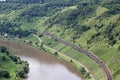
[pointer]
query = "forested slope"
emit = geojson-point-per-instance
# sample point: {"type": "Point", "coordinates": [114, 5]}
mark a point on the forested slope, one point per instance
{"type": "Point", "coordinates": [91, 24]}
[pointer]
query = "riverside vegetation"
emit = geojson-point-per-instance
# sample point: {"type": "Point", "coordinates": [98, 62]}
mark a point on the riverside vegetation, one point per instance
{"type": "Point", "coordinates": [90, 24]}
{"type": "Point", "coordinates": [12, 67]}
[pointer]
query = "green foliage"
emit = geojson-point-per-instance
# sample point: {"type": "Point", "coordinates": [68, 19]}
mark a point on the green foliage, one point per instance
{"type": "Point", "coordinates": [3, 49]}
{"type": "Point", "coordinates": [87, 75]}
{"type": "Point", "coordinates": [82, 70]}
{"type": "Point", "coordinates": [12, 66]}
{"type": "Point", "coordinates": [86, 8]}
{"type": "Point", "coordinates": [26, 68]}
{"type": "Point", "coordinates": [21, 74]}
{"type": "Point", "coordinates": [119, 48]}
{"type": "Point", "coordinates": [79, 30]}
{"type": "Point", "coordinates": [4, 58]}
{"type": "Point", "coordinates": [36, 11]}
{"type": "Point", "coordinates": [113, 7]}
{"type": "Point", "coordinates": [22, 1]}
{"type": "Point", "coordinates": [56, 53]}
{"type": "Point", "coordinates": [7, 7]}
{"type": "Point", "coordinates": [69, 18]}
{"type": "Point", "coordinates": [73, 20]}
{"type": "Point", "coordinates": [4, 74]}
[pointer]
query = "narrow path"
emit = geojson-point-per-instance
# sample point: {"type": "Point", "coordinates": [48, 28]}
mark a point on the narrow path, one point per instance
{"type": "Point", "coordinates": [92, 56]}
{"type": "Point", "coordinates": [37, 37]}
{"type": "Point", "coordinates": [66, 56]}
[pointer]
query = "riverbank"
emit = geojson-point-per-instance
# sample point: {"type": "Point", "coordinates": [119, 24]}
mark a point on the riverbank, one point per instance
{"type": "Point", "coordinates": [93, 68]}
{"type": "Point", "coordinates": [78, 66]}
{"type": "Point", "coordinates": [44, 58]}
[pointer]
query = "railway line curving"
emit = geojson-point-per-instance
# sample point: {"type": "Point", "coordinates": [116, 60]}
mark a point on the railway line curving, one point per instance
{"type": "Point", "coordinates": [92, 56]}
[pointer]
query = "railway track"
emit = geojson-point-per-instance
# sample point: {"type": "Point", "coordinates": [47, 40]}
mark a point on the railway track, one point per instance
{"type": "Point", "coordinates": [92, 56]}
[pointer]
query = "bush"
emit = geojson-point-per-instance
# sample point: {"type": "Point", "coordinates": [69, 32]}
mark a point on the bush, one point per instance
{"type": "Point", "coordinates": [7, 53]}
{"type": "Point", "coordinates": [112, 42]}
{"type": "Point", "coordinates": [119, 48]}
{"type": "Point", "coordinates": [14, 58]}
{"type": "Point", "coordinates": [56, 53]}
{"type": "Point", "coordinates": [26, 67]}
{"type": "Point", "coordinates": [82, 70]}
{"type": "Point", "coordinates": [4, 58]}
{"type": "Point", "coordinates": [21, 74]}
{"type": "Point", "coordinates": [87, 75]}
{"type": "Point", "coordinates": [3, 49]}
{"type": "Point", "coordinates": [4, 74]}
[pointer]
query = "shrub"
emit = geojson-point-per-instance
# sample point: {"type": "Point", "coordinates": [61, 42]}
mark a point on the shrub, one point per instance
{"type": "Point", "coordinates": [3, 49]}
{"type": "Point", "coordinates": [119, 48]}
{"type": "Point", "coordinates": [21, 74]}
{"type": "Point", "coordinates": [82, 70]}
{"type": "Point", "coordinates": [4, 58]}
{"type": "Point", "coordinates": [56, 53]}
{"type": "Point", "coordinates": [4, 74]}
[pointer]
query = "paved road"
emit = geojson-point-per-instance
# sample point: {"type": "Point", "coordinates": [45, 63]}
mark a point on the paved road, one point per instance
{"type": "Point", "coordinates": [92, 56]}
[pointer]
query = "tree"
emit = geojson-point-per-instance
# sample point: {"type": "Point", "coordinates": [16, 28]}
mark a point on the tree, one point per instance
{"type": "Point", "coordinates": [23, 1]}
{"type": "Point", "coordinates": [56, 53]}
{"type": "Point", "coordinates": [96, 1]}
{"type": "Point", "coordinates": [4, 58]}
{"type": "Point", "coordinates": [40, 35]}
{"type": "Point", "coordinates": [4, 74]}
{"type": "Point", "coordinates": [7, 53]}
{"type": "Point", "coordinates": [82, 70]}
{"type": "Point", "coordinates": [119, 48]}
{"type": "Point", "coordinates": [22, 74]}
{"type": "Point", "coordinates": [3, 49]}
{"type": "Point", "coordinates": [87, 75]}
{"type": "Point", "coordinates": [26, 69]}
{"type": "Point", "coordinates": [71, 60]}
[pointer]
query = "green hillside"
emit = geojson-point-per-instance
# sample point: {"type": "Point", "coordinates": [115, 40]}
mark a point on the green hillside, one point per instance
{"type": "Point", "coordinates": [90, 24]}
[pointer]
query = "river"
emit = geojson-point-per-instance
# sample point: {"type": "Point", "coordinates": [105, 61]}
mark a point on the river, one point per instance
{"type": "Point", "coordinates": [43, 66]}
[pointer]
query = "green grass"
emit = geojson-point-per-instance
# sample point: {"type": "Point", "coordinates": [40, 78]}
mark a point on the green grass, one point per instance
{"type": "Point", "coordinates": [10, 66]}
{"type": "Point", "coordinates": [80, 57]}
{"type": "Point", "coordinates": [71, 52]}
{"type": "Point", "coordinates": [100, 10]}
{"type": "Point", "coordinates": [28, 26]}
{"type": "Point", "coordinates": [65, 49]}
{"type": "Point", "coordinates": [31, 38]}
{"type": "Point", "coordinates": [58, 47]}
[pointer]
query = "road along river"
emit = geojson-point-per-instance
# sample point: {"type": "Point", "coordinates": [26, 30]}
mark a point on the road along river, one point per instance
{"type": "Point", "coordinates": [43, 66]}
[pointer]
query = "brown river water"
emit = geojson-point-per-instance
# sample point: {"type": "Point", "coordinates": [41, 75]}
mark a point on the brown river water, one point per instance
{"type": "Point", "coordinates": [43, 66]}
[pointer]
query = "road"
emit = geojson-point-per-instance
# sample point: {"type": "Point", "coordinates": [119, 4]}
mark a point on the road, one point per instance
{"type": "Point", "coordinates": [92, 56]}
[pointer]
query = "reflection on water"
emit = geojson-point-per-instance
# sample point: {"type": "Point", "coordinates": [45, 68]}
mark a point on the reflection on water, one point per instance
{"type": "Point", "coordinates": [41, 71]}
{"type": "Point", "coordinates": [43, 66]}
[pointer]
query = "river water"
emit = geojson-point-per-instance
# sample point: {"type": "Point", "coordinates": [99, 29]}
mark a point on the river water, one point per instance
{"type": "Point", "coordinates": [43, 66]}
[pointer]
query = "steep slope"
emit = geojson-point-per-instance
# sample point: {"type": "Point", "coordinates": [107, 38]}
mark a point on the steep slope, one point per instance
{"type": "Point", "coordinates": [91, 24]}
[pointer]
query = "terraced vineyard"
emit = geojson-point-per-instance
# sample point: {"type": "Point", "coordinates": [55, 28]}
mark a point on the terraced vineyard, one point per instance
{"type": "Point", "coordinates": [94, 68]}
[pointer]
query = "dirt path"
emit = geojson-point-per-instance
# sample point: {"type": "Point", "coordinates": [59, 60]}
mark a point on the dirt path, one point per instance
{"type": "Point", "coordinates": [65, 56]}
